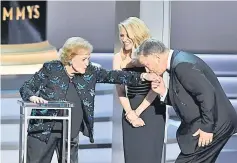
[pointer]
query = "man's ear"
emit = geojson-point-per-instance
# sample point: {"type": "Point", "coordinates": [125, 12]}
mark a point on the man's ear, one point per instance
{"type": "Point", "coordinates": [136, 63]}
{"type": "Point", "coordinates": [157, 57]}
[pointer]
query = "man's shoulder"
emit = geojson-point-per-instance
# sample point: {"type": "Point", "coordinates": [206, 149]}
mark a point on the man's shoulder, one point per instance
{"type": "Point", "coordinates": [183, 67]}
{"type": "Point", "coordinates": [184, 58]}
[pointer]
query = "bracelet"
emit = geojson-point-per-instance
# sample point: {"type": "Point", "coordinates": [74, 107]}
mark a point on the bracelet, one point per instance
{"type": "Point", "coordinates": [142, 77]}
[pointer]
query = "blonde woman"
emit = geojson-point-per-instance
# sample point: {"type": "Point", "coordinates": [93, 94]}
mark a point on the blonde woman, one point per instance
{"type": "Point", "coordinates": [73, 78]}
{"type": "Point", "coordinates": [143, 119]}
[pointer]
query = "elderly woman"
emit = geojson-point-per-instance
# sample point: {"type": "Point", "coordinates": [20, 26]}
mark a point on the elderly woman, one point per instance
{"type": "Point", "coordinates": [73, 79]}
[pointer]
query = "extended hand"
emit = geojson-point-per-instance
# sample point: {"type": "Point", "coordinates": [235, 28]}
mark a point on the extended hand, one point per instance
{"type": "Point", "coordinates": [150, 76]}
{"type": "Point", "coordinates": [204, 138]}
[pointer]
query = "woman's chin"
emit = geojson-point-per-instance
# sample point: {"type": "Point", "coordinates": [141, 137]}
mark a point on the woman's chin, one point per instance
{"type": "Point", "coordinates": [80, 72]}
{"type": "Point", "coordinates": [128, 47]}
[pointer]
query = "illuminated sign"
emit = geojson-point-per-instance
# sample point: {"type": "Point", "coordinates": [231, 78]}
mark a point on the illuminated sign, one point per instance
{"type": "Point", "coordinates": [21, 13]}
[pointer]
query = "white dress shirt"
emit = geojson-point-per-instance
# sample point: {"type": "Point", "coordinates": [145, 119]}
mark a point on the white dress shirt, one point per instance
{"type": "Point", "coordinates": [166, 77]}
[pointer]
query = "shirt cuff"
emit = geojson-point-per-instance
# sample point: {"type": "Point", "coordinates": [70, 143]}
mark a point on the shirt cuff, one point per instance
{"type": "Point", "coordinates": [162, 98]}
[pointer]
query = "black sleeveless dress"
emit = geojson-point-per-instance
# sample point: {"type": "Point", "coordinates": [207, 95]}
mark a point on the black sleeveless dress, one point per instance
{"type": "Point", "coordinates": [144, 144]}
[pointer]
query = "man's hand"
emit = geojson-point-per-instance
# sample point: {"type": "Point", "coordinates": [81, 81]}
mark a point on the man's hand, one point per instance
{"type": "Point", "coordinates": [36, 99]}
{"type": "Point", "coordinates": [131, 116]}
{"type": "Point", "coordinates": [204, 138]}
{"type": "Point", "coordinates": [159, 86]}
{"type": "Point", "coordinates": [138, 122]}
{"type": "Point", "coordinates": [150, 76]}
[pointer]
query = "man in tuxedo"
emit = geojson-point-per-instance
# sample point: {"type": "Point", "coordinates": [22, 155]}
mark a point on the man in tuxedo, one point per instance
{"type": "Point", "coordinates": [208, 119]}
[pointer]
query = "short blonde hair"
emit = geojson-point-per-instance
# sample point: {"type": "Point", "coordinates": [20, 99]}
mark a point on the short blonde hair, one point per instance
{"type": "Point", "coordinates": [136, 29]}
{"type": "Point", "coordinates": [71, 46]}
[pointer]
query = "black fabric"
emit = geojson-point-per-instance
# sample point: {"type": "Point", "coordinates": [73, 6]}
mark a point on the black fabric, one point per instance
{"type": "Point", "coordinates": [77, 112]}
{"type": "Point", "coordinates": [201, 103]}
{"type": "Point", "coordinates": [210, 153]}
{"type": "Point", "coordinates": [41, 152]}
{"type": "Point", "coordinates": [144, 144]}
{"type": "Point", "coordinates": [142, 88]}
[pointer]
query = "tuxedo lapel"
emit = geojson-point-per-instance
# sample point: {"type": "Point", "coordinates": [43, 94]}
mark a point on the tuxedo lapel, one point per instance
{"type": "Point", "coordinates": [175, 52]}
{"type": "Point", "coordinates": [166, 78]}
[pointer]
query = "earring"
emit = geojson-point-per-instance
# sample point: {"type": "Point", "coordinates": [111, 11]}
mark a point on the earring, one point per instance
{"type": "Point", "coordinates": [70, 63]}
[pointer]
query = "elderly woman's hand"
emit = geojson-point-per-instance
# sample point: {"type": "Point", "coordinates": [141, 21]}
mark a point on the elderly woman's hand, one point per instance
{"type": "Point", "coordinates": [150, 77]}
{"type": "Point", "coordinates": [36, 99]}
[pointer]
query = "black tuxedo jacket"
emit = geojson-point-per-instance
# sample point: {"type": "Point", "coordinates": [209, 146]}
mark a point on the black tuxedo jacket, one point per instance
{"type": "Point", "coordinates": [198, 99]}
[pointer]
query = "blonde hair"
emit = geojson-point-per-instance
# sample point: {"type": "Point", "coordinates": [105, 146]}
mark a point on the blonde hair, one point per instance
{"type": "Point", "coordinates": [136, 29]}
{"type": "Point", "coordinates": [71, 46]}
